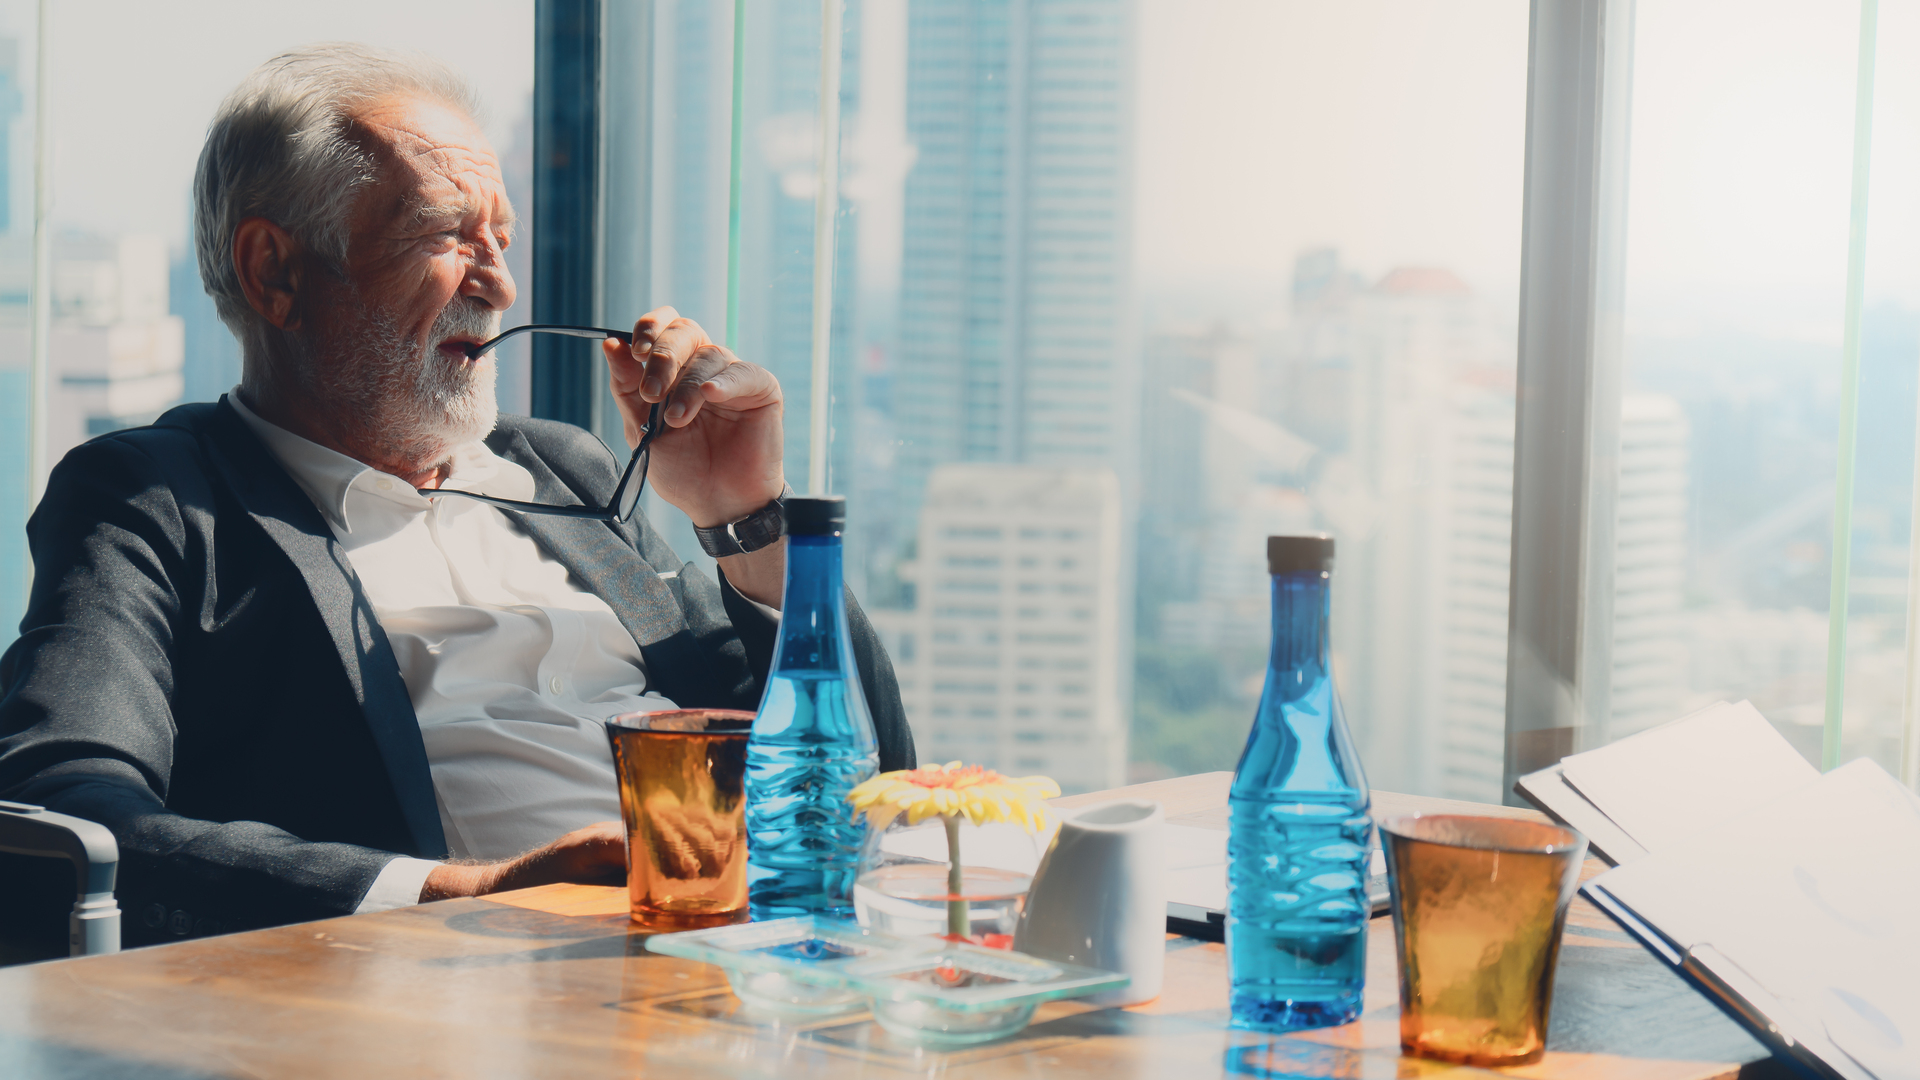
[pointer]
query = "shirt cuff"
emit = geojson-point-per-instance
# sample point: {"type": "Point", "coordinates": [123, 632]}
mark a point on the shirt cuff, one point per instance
{"type": "Point", "coordinates": [398, 885]}
{"type": "Point", "coordinates": [772, 614]}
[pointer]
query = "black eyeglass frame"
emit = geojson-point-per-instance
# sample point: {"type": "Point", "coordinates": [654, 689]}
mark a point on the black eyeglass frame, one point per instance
{"type": "Point", "coordinates": [638, 463]}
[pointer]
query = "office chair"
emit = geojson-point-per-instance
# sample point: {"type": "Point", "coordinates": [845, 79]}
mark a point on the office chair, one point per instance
{"type": "Point", "coordinates": [94, 925]}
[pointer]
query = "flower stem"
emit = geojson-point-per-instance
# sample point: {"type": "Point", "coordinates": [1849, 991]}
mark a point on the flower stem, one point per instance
{"type": "Point", "coordinates": [957, 925]}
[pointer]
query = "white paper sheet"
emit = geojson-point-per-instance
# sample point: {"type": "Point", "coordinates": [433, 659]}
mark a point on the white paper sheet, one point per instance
{"type": "Point", "coordinates": [1548, 789]}
{"type": "Point", "coordinates": [1665, 783]}
{"type": "Point", "coordinates": [1811, 895]}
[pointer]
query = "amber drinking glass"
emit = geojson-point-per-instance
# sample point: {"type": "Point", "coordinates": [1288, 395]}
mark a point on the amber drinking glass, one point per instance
{"type": "Point", "coordinates": [1478, 907]}
{"type": "Point", "coordinates": [681, 791]}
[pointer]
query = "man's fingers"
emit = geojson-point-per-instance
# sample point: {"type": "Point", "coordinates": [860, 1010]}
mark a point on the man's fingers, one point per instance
{"type": "Point", "coordinates": [622, 367]}
{"type": "Point", "coordinates": [649, 326]}
{"type": "Point", "coordinates": [743, 384]}
{"type": "Point", "coordinates": [673, 347]}
{"type": "Point", "coordinates": [706, 363]}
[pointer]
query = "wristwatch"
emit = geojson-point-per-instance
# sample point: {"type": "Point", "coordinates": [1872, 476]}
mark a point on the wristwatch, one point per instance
{"type": "Point", "coordinates": [749, 534]}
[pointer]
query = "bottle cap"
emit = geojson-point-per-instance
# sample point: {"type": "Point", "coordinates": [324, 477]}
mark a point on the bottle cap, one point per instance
{"type": "Point", "coordinates": [816, 515]}
{"type": "Point", "coordinates": [1291, 554]}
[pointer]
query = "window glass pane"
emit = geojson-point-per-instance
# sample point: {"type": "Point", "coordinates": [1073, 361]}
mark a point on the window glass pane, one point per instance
{"type": "Point", "coordinates": [1879, 645]}
{"type": "Point", "coordinates": [691, 126]}
{"type": "Point", "coordinates": [1163, 279]}
{"type": "Point", "coordinates": [17, 81]}
{"type": "Point", "coordinates": [1737, 254]}
{"type": "Point", "coordinates": [125, 277]}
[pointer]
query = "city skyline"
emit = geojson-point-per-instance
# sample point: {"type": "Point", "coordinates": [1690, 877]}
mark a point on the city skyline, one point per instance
{"type": "Point", "coordinates": [1745, 432]}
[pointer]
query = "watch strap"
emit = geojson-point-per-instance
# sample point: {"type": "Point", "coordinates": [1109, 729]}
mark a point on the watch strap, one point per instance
{"type": "Point", "coordinates": [749, 534]}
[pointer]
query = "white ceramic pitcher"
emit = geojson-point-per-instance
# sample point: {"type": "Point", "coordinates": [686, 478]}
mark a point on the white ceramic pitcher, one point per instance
{"type": "Point", "coordinates": [1100, 896]}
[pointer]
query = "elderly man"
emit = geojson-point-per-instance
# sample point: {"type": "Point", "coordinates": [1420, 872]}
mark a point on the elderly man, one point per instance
{"type": "Point", "coordinates": [289, 682]}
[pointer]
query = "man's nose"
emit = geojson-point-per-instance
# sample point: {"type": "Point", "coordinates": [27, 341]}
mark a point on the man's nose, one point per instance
{"type": "Point", "coordinates": [488, 279]}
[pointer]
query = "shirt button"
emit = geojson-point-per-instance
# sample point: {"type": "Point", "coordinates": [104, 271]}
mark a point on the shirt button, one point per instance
{"type": "Point", "coordinates": [386, 485]}
{"type": "Point", "coordinates": [555, 683]}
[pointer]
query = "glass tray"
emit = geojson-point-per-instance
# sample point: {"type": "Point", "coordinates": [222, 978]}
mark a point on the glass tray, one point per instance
{"type": "Point", "coordinates": [933, 992]}
{"type": "Point", "coordinates": [792, 968]}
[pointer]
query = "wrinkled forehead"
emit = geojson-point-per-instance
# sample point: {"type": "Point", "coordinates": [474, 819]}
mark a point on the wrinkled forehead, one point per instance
{"type": "Point", "coordinates": [434, 165]}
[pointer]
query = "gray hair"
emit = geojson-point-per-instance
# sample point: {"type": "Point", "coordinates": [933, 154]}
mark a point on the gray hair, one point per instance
{"type": "Point", "coordinates": [281, 147]}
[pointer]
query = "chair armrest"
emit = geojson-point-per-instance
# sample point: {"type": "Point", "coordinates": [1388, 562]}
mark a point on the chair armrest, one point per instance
{"type": "Point", "coordinates": [26, 829]}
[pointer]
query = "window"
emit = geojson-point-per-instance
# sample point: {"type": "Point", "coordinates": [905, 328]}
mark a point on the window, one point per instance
{"type": "Point", "coordinates": [1121, 287]}
{"type": "Point", "coordinates": [1734, 414]}
{"type": "Point", "coordinates": [18, 118]}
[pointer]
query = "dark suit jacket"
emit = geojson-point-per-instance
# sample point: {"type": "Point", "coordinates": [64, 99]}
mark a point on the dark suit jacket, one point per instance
{"type": "Point", "coordinates": [200, 671]}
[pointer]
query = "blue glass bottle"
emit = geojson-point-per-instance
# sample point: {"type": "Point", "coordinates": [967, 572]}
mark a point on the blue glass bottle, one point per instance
{"type": "Point", "coordinates": [812, 739]}
{"type": "Point", "coordinates": [1297, 847]}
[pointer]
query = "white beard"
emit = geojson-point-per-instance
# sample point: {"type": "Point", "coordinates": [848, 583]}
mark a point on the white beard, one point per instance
{"type": "Point", "coordinates": [408, 400]}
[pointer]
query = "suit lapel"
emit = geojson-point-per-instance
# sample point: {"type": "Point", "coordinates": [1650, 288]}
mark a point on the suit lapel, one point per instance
{"type": "Point", "coordinates": [603, 561]}
{"type": "Point", "coordinates": [292, 522]}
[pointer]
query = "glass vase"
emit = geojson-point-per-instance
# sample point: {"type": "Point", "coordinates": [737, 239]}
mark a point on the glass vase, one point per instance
{"type": "Point", "coordinates": [909, 883]}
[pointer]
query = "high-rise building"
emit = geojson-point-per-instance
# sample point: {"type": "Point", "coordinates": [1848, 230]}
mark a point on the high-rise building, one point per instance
{"type": "Point", "coordinates": [116, 353]}
{"type": "Point", "coordinates": [1217, 479]}
{"type": "Point", "coordinates": [211, 364]}
{"type": "Point", "coordinates": [1649, 566]}
{"type": "Point", "coordinates": [1404, 388]}
{"type": "Point", "coordinates": [1015, 335]}
{"type": "Point", "coordinates": [1012, 656]}
{"type": "Point", "coordinates": [1174, 480]}
{"type": "Point", "coordinates": [1016, 341]}
{"type": "Point", "coordinates": [1478, 554]}
{"type": "Point", "coordinates": [16, 278]}
{"type": "Point", "coordinates": [1391, 498]}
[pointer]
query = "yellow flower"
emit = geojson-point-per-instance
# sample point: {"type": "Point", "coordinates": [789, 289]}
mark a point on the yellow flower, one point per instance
{"type": "Point", "coordinates": [978, 794]}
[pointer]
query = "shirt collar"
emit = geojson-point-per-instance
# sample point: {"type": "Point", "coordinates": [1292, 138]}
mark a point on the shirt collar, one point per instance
{"type": "Point", "coordinates": [333, 480]}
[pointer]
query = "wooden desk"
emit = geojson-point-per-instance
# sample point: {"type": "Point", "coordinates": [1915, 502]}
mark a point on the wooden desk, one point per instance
{"type": "Point", "coordinates": [548, 982]}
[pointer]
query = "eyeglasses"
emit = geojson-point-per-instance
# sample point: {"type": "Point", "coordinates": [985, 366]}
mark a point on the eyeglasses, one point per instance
{"type": "Point", "coordinates": [626, 496]}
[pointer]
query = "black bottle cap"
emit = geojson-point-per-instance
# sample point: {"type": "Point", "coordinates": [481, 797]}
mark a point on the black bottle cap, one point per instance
{"type": "Point", "coordinates": [1291, 554]}
{"type": "Point", "coordinates": [816, 515]}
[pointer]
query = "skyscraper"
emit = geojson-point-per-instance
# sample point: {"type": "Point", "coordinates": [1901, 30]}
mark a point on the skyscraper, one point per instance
{"type": "Point", "coordinates": [16, 277]}
{"type": "Point", "coordinates": [1649, 569]}
{"type": "Point", "coordinates": [1406, 384]}
{"type": "Point", "coordinates": [1012, 656]}
{"type": "Point", "coordinates": [116, 352]}
{"type": "Point", "coordinates": [212, 363]}
{"type": "Point", "coordinates": [1015, 329]}
{"type": "Point", "coordinates": [1478, 552]}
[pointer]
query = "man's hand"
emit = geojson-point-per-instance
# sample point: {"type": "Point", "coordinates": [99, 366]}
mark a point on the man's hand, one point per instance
{"type": "Point", "coordinates": [719, 457]}
{"type": "Point", "coordinates": [595, 855]}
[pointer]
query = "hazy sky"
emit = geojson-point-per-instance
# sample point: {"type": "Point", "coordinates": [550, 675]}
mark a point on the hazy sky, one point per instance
{"type": "Point", "coordinates": [1742, 158]}
{"type": "Point", "coordinates": [135, 82]}
{"type": "Point", "coordinates": [1392, 129]}
{"type": "Point", "coordinates": [1395, 130]}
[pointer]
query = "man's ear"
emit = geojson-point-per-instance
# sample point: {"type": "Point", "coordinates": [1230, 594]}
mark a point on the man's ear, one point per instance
{"type": "Point", "coordinates": [267, 259]}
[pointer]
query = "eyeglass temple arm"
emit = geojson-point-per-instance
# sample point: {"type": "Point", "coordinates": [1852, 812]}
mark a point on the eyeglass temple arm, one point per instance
{"type": "Point", "coordinates": [474, 352]}
{"type": "Point", "coordinates": [524, 507]}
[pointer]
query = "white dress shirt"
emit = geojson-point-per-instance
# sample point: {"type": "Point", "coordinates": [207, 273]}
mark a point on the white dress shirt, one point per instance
{"type": "Point", "coordinates": [510, 663]}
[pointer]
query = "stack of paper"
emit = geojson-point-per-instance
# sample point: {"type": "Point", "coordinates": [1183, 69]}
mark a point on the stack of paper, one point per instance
{"type": "Point", "coordinates": [1798, 914]}
{"type": "Point", "coordinates": [1784, 894]}
{"type": "Point", "coordinates": [1649, 790]}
